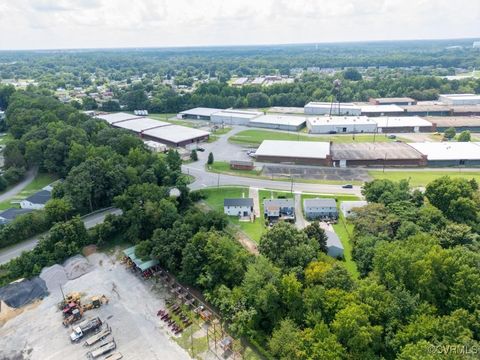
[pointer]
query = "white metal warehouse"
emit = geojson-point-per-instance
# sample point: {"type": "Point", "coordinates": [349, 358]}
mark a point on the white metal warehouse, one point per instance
{"type": "Point", "coordinates": [234, 117]}
{"type": "Point", "coordinates": [140, 124]}
{"type": "Point", "coordinates": [294, 152]}
{"type": "Point", "coordinates": [449, 153]}
{"type": "Point", "coordinates": [341, 125]}
{"type": "Point", "coordinates": [460, 99]}
{"type": "Point", "coordinates": [198, 113]}
{"type": "Point", "coordinates": [412, 124]}
{"type": "Point", "coordinates": [279, 122]}
{"type": "Point", "coordinates": [175, 135]}
{"type": "Point", "coordinates": [324, 108]}
{"type": "Point", "coordinates": [381, 110]}
{"type": "Point", "coordinates": [116, 117]}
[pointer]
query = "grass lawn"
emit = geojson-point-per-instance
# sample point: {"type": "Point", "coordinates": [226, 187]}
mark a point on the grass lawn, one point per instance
{"type": "Point", "coordinates": [342, 229]}
{"type": "Point", "coordinates": [40, 181]}
{"type": "Point", "coordinates": [215, 197]}
{"type": "Point", "coordinates": [5, 138]}
{"type": "Point", "coordinates": [421, 177]}
{"type": "Point", "coordinates": [221, 131]}
{"type": "Point", "coordinates": [255, 137]}
{"type": "Point", "coordinates": [223, 167]}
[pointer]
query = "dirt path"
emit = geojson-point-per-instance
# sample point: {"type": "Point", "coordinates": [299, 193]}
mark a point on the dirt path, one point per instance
{"type": "Point", "coordinates": [300, 221]}
{"type": "Point", "coordinates": [253, 193]}
{"type": "Point", "coordinates": [29, 176]}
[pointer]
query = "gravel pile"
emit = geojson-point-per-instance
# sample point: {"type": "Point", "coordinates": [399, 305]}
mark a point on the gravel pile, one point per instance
{"type": "Point", "coordinates": [76, 266]}
{"type": "Point", "coordinates": [54, 277]}
{"type": "Point", "coordinates": [20, 293]}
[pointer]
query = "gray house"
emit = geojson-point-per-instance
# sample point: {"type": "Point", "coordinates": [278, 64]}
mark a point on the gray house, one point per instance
{"type": "Point", "coordinates": [9, 215]}
{"type": "Point", "coordinates": [279, 209]}
{"type": "Point", "coordinates": [320, 209]}
{"type": "Point", "coordinates": [238, 207]}
{"type": "Point", "coordinates": [334, 245]}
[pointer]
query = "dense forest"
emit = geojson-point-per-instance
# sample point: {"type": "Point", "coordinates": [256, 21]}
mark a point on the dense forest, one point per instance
{"type": "Point", "coordinates": [417, 252]}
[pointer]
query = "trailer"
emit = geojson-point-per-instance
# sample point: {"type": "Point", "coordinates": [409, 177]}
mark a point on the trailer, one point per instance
{"type": "Point", "coordinates": [102, 349]}
{"type": "Point", "coordinates": [114, 356]}
{"type": "Point", "coordinates": [85, 328]}
{"type": "Point", "coordinates": [99, 336]}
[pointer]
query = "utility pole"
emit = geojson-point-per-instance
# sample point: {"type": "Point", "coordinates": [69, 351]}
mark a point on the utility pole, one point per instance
{"type": "Point", "coordinates": [291, 186]}
{"type": "Point", "coordinates": [218, 181]}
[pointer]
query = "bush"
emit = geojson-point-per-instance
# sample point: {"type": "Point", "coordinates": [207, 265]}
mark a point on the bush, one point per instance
{"type": "Point", "coordinates": [3, 183]}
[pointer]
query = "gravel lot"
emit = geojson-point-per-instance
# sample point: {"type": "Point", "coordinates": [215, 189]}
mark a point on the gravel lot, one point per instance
{"type": "Point", "coordinates": [37, 333]}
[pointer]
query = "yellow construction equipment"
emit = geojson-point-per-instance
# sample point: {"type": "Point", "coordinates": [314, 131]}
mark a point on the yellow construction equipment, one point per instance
{"type": "Point", "coordinates": [95, 302]}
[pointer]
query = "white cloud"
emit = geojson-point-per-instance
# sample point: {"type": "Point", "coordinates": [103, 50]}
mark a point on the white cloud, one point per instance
{"type": "Point", "coordinates": [135, 23]}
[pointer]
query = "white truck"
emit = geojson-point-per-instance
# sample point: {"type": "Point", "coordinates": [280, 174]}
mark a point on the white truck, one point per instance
{"type": "Point", "coordinates": [85, 328]}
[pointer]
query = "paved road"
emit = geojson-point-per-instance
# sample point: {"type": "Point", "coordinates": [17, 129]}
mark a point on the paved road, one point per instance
{"type": "Point", "coordinates": [300, 221]}
{"type": "Point", "coordinates": [205, 179]}
{"type": "Point", "coordinates": [15, 250]}
{"type": "Point", "coordinates": [29, 176]}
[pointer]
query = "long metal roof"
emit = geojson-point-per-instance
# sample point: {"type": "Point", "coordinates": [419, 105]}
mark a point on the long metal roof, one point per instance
{"type": "Point", "coordinates": [294, 149]}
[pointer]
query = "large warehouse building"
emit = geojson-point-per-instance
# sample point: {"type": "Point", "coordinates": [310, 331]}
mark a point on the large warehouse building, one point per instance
{"type": "Point", "coordinates": [375, 154]}
{"type": "Point", "coordinates": [449, 153]}
{"type": "Point", "coordinates": [405, 124]}
{"type": "Point", "coordinates": [279, 122]}
{"type": "Point", "coordinates": [393, 101]}
{"type": "Point", "coordinates": [381, 110]}
{"type": "Point", "coordinates": [140, 124]}
{"type": "Point", "coordinates": [160, 131]}
{"type": "Point", "coordinates": [459, 123]}
{"type": "Point", "coordinates": [325, 108]}
{"type": "Point", "coordinates": [199, 113]}
{"type": "Point", "coordinates": [341, 125]}
{"type": "Point", "coordinates": [460, 99]}
{"type": "Point", "coordinates": [117, 117]}
{"type": "Point", "coordinates": [175, 135]}
{"type": "Point", "coordinates": [234, 117]}
{"type": "Point", "coordinates": [294, 152]}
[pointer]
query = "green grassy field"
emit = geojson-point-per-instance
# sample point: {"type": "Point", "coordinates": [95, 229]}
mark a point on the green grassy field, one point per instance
{"type": "Point", "coordinates": [342, 229]}
{"type": "Point", "coordinates": [215, 197]}
{"type": "Point", "coordinates": [40, 181]}
{"type": "Point", "coordinates": [421, 177]}
{"type": "Point", "coordinates": [223, 167]}
{"type": "Point", "coordinates": [255, 137]}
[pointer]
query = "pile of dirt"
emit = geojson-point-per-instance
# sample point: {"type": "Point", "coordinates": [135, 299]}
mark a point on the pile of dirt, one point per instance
{"type": "Point", "coordinates": [54, 277]}
{"type": "Point", "coordinates": [20, 293]}
{"type": "Point", "coordinates": [77, 266]}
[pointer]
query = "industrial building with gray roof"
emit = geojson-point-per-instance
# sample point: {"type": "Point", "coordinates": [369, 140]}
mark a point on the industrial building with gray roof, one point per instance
{"type": "Point", "coordinates": [295, 152]}
{"type": "Point", "coordinates": [375, 154]}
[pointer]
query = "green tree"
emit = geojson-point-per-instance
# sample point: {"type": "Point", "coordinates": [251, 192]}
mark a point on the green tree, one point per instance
{"type": "Point", "coordinates": [286, 342]}
{"type": "Point", "coordinates": [314, 231]}
{"type": "Point", "coordinates": [288, 247]}
{"type": "Point", "coordinates": [58, 210]}
{"type": "Point", "coordinates": [210, 159]}
{"type": "Point", "coordinates": [193, 155]}
{"type": "Point", "coordinates": [464, 136]}
{"type": "Point", "coordinates": [450, 133]}
{"type": "Point", "coordinates": [352, 74]}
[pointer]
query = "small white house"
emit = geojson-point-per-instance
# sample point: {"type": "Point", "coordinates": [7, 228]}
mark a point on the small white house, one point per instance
{"type": "Point", "coordinates": [36, 201]}
{"type": "Point", "coordinates": [346, 207]}
{"type": "Point", "coordinates": [334, 245]}
{"type": "Point", "coordinates": [242, 207]}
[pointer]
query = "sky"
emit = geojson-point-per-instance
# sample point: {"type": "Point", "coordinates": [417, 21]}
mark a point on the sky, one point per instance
{"type": "Point", "coordinates": [58, 24]}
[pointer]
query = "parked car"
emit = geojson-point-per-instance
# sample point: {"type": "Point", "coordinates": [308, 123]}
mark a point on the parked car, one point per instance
{"type": "Point", "coordinates": [347, 186]}
{"type": "Point", "coordinates": [392, 136]}
{"type": "Point", "coordinates": [201, 149]}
